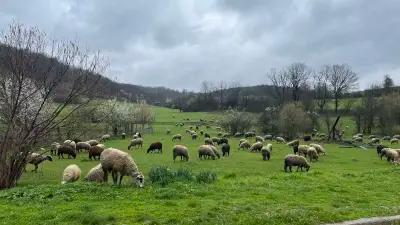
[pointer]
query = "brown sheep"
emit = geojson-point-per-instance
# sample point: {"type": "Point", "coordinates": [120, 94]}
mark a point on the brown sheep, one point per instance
{"type": "Point", "coordinates": [205, 151]}
{"type": "Point", "coordinates": [95, 151]}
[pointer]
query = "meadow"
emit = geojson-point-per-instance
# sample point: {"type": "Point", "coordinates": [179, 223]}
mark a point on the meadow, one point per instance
{"type": "Point", "coordinates": [347, 183]}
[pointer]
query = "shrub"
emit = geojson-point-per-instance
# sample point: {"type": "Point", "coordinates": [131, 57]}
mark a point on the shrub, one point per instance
{"type": "Point", "coordinates": [206, 177]}
{"type": "Point", "coordinates": [184, 174]}
{"type": "Point", "coordinates": [161, 175]}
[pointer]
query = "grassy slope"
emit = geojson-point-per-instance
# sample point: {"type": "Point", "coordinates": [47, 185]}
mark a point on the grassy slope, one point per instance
{"type": "Point", "coordinates": [345, 184]}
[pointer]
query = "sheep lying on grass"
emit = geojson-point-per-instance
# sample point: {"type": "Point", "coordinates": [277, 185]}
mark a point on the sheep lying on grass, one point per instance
{"type": "Point", "coordinates": [266, 152]}
{"type": "Point", "coordinates": [96, 174]}
{"type": "Point", "coordinates": [136, 143]}
{"type": "Point", "coordinates": [296, 160]}
{"type": "Point", "coordinates": [180, 150]}
{"type": "Point", "coordinates": [71, 174]}
{"type": "Point", "coordinates": [36, 159]}
{"type": "Point", "coordinates": [120, 163]}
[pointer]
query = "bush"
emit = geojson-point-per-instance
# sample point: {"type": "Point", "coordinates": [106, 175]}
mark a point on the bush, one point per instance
{"type": "Point", "coordinates": [161, 175]}
{"type": "Point", "coordinates": [235, 121]}
{"type": "Point", "coordinates": [206, 177]}
{"type": "Point", "coordinates": [293, 120]}
{"type": "Point", "coordinates": [184, 174]}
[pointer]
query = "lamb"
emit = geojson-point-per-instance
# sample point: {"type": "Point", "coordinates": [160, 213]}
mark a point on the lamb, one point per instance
{"type": "Point", "coordinates": [137, 143]}
{"type": "Point", "coordinates": [96, 174]}
{"type": "Point", "coordinates": [394, 141]}
{"type": "Point", "coordinates": [300, 149]}
{"type": "Point", "coordinates": [256, 147]}
{"type": "Point", "coordinates": [93, 142]}
{"type": "Point", "coordinates": [36, 159]}
{"type": "Point", "coordinates": [66, 149]}
{"type": "Point", "coordinates": [293, 143]}
{"type": "Point", "coordinates": [182, 151]}
{"type": "Point", "coordinates": [205, 151]}
{"type": "Point", "coordinates": [260, 139]}
{"type": "Point", "coordinates": [391, 154]}
{"type": "Point", "coordinates": [155, 147]}
{"type": "Point", "coordinates": [244, 145]}
{"type": "Point", "coordinates": [208, 141]}
{"type": "Point", "coordinates": [82, 145]}
{"type": "Point", "coordinates": [266, 152]}
{"type": "Point", "coordinates": [71, 174]}
{"type": "Point", "coordinates": [222, 141]}
{"type": "Point", "coordinates": [70, 143]}
{"type": "Point", "coordinates": [296, 160]}
{"type": "Point", "coordinates": [119, 162]}
{"type": "Point", "coordinates": [177, 137]}
{"type": "Point", "coordinates": [312, 154]}
{"type": "Point", "coordinates": [280, 140]}
{"type": "Point", "coordinates": [319, 148]}
{"type": "Point", "coordinates": [105, 137]}
{"type": "Point", "coordinates": [95, 151]}
{"type": "Point", "coordinates": [225, 149]}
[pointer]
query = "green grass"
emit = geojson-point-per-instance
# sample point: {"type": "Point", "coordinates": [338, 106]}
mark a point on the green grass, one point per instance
{"type": "Point", "coordinates": [344, 184]}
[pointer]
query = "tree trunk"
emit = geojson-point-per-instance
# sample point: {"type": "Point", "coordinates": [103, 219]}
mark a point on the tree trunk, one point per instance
{"type": "Point", "coordinates": [336, 104]}
{"type": "Point", "coordinates": [332, 132]}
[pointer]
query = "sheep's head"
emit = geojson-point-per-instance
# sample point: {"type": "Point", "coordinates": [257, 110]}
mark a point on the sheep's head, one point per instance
{"type": "Point", "coordinates": [138, 179]}
{"type": "Point", "coordinates": [49, 158]}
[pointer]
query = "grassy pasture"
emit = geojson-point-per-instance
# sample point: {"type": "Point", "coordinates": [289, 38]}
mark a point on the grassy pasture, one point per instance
{"type": "Point", "coordinates": [347, 183]}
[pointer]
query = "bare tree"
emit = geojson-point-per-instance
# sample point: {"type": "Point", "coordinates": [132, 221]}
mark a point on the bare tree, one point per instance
{"type": "Point", "coordinates": [34, 69]}
{"type": "Point", "coordinates": [280, 82]}
{"type": "Point", "coordinates": [321, 89]}
{"type": "Point", "coordinates": [220, 90]}
{"type": "Point", "coordinates": [297, 75]}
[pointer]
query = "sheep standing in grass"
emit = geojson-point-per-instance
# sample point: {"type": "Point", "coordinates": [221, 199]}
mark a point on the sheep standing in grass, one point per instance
{"type": "Point", "coordinates": [194, 136]}
{"type": "Point", "coordinates": [215, 150]}
{"type": "Point", "coordinates": [280, 140]}
{"type": "Point", "coordinates": [54, 148]}
{"type": "Point", "coordinates": [208, 141]}
{"type": "Point", "coordinates": [215, 140]}
{"type": "Point", "coordinates": [177, 137]}
{"type": "Point", "coordinates": [296, 160]}
{"type": "Point", "coordinates": [36, 159]}
{"type": "Point", "coordinates": [205, 151]}
{"type": "Point", "coordinates": [266, 152]}
{"type": "Point", "coordinates": [300, 149]}
{"type": "Point", "coordinates": [374, 141]}
{"type": "Point", "coordinates": [180, 150]}
{"type": "Point", "coordinates": [105, 137]}
{"type": "Point", "coordinates": [386, 138]}
{"type": "Point", "coordinates": [93, 142]}
{"type": "Point", "coordinates": [394, 141]}
{"type": "Point", "coordinates": [82, 145]}
{"type": "Point", "coordinates": [397, 136]}
{"type": "Point", "coordinates": [70, 143]}
{"type": "Point", "coordinates": [66, 149]}
{"type": "Point", "coordinates": [242, 140]}
{"type": "Point", "coordinates": [391, 154]}
{"type": "Point", "coordinates": [71, 174]}
{"type": "Point", "coordinates": [136, 143]}
{"type": "Point", "coordinates": [223, 140]}
{"type": "Point", "coordinates": [319, 148]}
{"type": "Point", "coordinates": [155, 147]}
{"type": "Point", "coordinates": [96, 174]}
{"type": "Point", "coordinates": [226, 148]}
{"type": "Point", "coordinates": [260, 139]}
{"type": "Point", "coordinates": [268, 137]}
{"type": "Point", "coordinates": [379, 149]}
{"type": "Point", "coordinates": [120, 163]}
{"type": "Point", "coordinates": [312, 154]}
{"type": "Point", "coordinates": [293, 143]}
{"type": "Point", "coordinates": [244, 145]}
{"type": "Point", "coordinates": [256, 147]}
{"type": "Point", "coordinates": [95, 151]}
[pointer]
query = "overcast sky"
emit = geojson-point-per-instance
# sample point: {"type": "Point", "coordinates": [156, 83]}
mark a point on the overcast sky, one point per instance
{"type": "Point", "coordinates": [178, 44]}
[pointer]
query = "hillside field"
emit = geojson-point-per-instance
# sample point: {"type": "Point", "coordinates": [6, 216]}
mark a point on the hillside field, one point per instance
{"type": "Point", "coordinates": [347, 183]}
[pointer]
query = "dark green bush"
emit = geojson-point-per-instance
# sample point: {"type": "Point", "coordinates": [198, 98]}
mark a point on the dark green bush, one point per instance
{"type": "Point", "coordinates": [161, 175]}
{"type": "Point", "coordinates": [206, 177]}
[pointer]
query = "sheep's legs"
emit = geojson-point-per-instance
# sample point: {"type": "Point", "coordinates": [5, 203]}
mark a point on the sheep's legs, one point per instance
{"type": "Point", "coordinates": [120, 179]}
{"type": "Point", "coordinates": [105, 177]}
{"type": "Point", "coordinates": [115, 177]}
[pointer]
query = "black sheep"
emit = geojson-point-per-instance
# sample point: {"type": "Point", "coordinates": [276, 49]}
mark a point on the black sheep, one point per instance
{"type": "Point", "coordinates": [225, 149]}
{"type": "Point", "coordinates": [155, 147]}
{"type": "Point", "coordinates": [379, 149]}
{"type": "Point", "coordinates": [222, 141]}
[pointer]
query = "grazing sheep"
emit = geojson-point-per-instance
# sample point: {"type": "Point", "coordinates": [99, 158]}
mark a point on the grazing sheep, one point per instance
{"type": "Point", "coordinates": [226, 148]}
{"type": "Point", "coordinates": [222, 141]}
{"type": "Point", "coordinates": [300, 149]}
{"type": "Point", "coordinates": [391, 154]}
{"type": "Point", "coordinates": [71, 174]}
{"type": "Point", "coordinates": [242, 140]}
{"type": "Point", "coordinates": [70, 143]}
{"type": "Point", "coordinates": [182, 151]}
{"type": "Point", "coordinates": [155, 147]}
{"type": "Point", "coordinates": [280, 140]}
{"type": "Point", "coordinates": [215, 150]}
{"type": "Point", "coordinates": [244, 145]}
{"type": "Point", "coordinates": [205, 151]}
{"type": "Point", "coordinates": [36, 159]}
{"type": "Point", "coordinates": [307, 138]}
{"type": "Point", "coordinates": [194, 136]}
{"type": "Point", "coordinates": [120, 163]}
{"type": "Point", "coordinates": [206, 135]}
{"type": "Point", "coordinates": [95, 151]}
{"type": "Point", "coordinates": [123, 135]}
{"type": "Point", "coordinates": [259, 139]}
{"type": "Point", "coordinates": [215, 139]}
{"type": "Point", "coordinates": [137, 143]}
{"type": "Point", "coordinates": [54, 148]}
{"type": "Point", "coordinates": [238, 134]}
{"type": "Point", "coordinates": [105, 137]}
{"type": "Point", "coordinates": [379, 149]}
{"type": "Point", "coordinates": [394, 141]}
{"type": "Point", "coordinates": [93, 142]}
{"type": "Point", "coordinates": [66, 149]}
{"type": "Point", "coordinates": [177, 137]}
{"type": "Point", "coordinates": [358, 139]}
{"type": "Point", "coordinates": [208, 141]}
{"type": "Point", "coordinates": [396, 136]}
{"type": "Point", "coordinates": [82, 145]}
{"type": "Point", "coordinates": [374, 141]}
{"type": "Point", "coordinates": [268, 137]}
{"type": "Point", "coordinates": [249, 134]}
{"type": "Point", "coordinates": [386, 138]}
{"type": "Point", "coordinates": [312, 154]}
{"type": "Point", "coordinates": [372, 136]}
{"type": "Point", "coordinates": [266, 152]}
{"type": "Point", "coordinates": [319, 148]}
{"type": "Point", "coordinates": [293, 143]}
{"type": "Point", "coordinates": [296, 160]}
{"type": "Point", "coordinates": [96, 174]}
{"type": "Point", "coordinates": [256, 147]}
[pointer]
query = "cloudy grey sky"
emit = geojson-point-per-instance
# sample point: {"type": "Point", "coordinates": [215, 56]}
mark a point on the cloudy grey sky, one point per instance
{"type": "Point", "coordinates": [179, 43]}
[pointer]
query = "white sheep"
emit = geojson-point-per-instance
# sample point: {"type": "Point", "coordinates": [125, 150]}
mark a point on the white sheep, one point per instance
{"type": "Point", "coordinates": [105, 137]}
{"type": "Point", "coordinates": [96, 174]}
{"type": "Point", "coordinates": [280, 140]}
{"type": "Point", "coordinates": [394, 141]}
{"type": "Point", "coordinates": [120, 163]}
{"type": "Point", "coordinates": [71, 174]}
{"type": "Point", "coordinates": [319, 148]}
{"type": "Point", "coordinates": [70, 143]}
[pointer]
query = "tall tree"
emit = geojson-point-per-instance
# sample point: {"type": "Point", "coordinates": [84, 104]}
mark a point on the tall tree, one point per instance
{"type": "Point", "coordinates": [280, 82]}
{"type": "Point", "coordinates": [321, 89]}
{"type": "Point", "coordinates": [388, 83]}
{"type": "Point", "coordinates": [297, 75]}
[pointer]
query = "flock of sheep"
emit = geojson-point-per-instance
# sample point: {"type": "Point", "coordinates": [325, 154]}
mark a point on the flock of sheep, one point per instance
{"type": "Point", "coordinates": [120, 163]}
